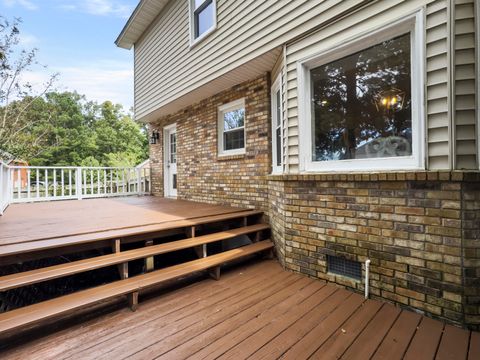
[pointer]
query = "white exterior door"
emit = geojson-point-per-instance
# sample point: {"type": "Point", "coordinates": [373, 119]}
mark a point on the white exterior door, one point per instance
{"type": "Point", "coordinates": [170, 178]}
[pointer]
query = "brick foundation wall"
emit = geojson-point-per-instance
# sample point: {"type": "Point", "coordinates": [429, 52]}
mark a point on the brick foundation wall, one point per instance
{"type": "Point", "coordinates": [204, 176]}
{"type": "Point", "coordinates": [420, 231]}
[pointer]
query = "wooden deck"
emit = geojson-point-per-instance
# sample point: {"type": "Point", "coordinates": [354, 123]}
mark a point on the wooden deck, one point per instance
{"type": "Point", "coordinates": [34, 227]}
{"type": "Point", "coordinates": [257, 311]}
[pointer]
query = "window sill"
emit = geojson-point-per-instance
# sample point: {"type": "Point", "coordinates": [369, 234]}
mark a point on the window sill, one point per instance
{"type": "Point", "coordinates": [227, 157]}
{"type": "Point", "coordinates": [432, 175]}
{"type": "Point", "coordinates": [198, 40]}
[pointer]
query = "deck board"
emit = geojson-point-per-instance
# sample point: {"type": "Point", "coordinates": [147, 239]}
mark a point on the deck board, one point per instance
{"type": "Point", "coordinates": [254, 311]}
{"type": "Point", "coordinates": [425, 342]}
{"type": "Point", "coordinates": [46, 220]}
{"type": "Point", "coordinates": [454, 344]}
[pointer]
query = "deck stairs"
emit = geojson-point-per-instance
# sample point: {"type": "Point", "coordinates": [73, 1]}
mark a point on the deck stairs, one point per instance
{"type": "Point", "coordinates": [243, 223]}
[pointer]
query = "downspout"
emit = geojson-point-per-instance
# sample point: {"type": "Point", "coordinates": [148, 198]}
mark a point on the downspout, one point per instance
{"type": "Point", "coordinates": [367, 276]}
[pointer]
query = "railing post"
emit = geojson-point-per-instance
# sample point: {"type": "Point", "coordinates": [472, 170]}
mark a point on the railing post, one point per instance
{"type": "Point", "coordinates": [78, 183]}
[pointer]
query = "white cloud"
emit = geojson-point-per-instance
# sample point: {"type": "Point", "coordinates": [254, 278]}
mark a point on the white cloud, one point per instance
{"type": "Point", "coordinates": [28, 40]}
{"type": "Point", "coordinates": [100, 7]}
{"type": "Point", "coordinates": [27, 4]}
{"type": "Point", "coordinates": [99, 81]}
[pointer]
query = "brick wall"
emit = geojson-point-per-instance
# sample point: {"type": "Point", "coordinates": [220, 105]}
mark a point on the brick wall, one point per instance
{"type": "Point", "coordinates": [203, 175]}
{"type": "Point", "coordinates": [420, 231]}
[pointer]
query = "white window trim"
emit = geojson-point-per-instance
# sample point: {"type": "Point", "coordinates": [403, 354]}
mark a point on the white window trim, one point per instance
{"type": "Point", "coordinates": [234, 105]}
{"type": "Point", "coordinates": [191, 7]}
{"type": "Point", "coordinates": [277, 86]}
{"type": "Point", "coordinates": [414, 24]}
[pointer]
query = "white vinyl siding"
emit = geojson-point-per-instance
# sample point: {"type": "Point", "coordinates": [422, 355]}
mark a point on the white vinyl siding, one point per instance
{"type": "Point", "coordinates": [167, 68]}
{"type": "Point", "coordinates": [464, 85]}
{"type": "Point", "coordinates": [437, 87]}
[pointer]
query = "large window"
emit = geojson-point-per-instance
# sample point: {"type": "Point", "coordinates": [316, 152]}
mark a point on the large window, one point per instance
{"type": "Point", "coordinates": [363, 104]}
{"type": "Point", "coordinates": [231, 128]}
{"type": "Point", "coordinates": [203, 18]}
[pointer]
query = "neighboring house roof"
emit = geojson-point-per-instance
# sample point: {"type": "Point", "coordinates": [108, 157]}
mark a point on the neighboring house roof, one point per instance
{"type": "Point", "coordinates": [146, 163]}
{"type": "Point", "coordinates": [143, 15]}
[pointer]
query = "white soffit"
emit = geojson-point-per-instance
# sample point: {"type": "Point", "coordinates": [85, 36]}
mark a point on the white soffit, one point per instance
{"type": "Point", "coordinates": [143, 15]}
{"type": "Point", "coordinates": [248, 71]}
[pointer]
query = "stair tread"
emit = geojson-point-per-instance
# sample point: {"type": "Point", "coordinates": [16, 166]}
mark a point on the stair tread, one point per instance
{"type": "Point", "coordinates": [53, 272]}
{"type": "Point", "coordinates": [50, 243]}
{"type": "Point", "coordinates": [33, 313]}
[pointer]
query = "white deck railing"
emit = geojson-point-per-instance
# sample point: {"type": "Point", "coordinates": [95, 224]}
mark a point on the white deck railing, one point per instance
{"type": "Point", "coordinates": [47, 183]}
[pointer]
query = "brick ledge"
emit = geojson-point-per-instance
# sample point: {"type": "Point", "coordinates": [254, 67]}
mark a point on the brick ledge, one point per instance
{"type": "Point", "coordinates": [468, 176]}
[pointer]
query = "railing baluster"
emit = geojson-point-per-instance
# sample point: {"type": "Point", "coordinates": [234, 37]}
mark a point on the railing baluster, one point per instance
{"type": "Point", "coordinates": [111, 182]}
{"type": "Point", "coordinates": [84, 186]}
{"type": "Point", "coordinates": [116, 181]}
{"type": "Point", "coordinates": [19, 183]}
{"type": "Point", "coordinates": [105, 181]}
{"type": "Point", "coordinates": [62, 176]}
{"type": "Point", "coordinates": [91, 182]}
{"type": "Point", "coordinates": [28, 183]}
{"type": "Point", "coordinates": [98, 182]}
{"type": "Point", "coordinates": [37, 185]}
{"type": "Point", "coordinates": [46, 182]}
{"type": "Point", "coordinates": [54, 182]}
{"type": "Point", "coordinates": [70, 182]}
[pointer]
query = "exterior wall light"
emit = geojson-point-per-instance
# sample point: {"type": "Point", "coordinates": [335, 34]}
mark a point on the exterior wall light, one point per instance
{"type": "Point", "coordinates": [154, 137]}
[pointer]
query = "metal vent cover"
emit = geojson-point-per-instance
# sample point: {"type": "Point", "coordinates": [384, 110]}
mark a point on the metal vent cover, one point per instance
{"type": "Point", "coordinates": [341, 266]}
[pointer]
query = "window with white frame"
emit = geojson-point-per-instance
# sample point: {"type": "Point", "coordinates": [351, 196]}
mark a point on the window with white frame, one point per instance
{"type": "Point", "coordinates": [277, 127]}
{"type": "Point", "coordinates": [362, 103]}
{"type": "Point", "coordinates": [231, 128]}
{"type": "Point", "coordinates": [203, 18]}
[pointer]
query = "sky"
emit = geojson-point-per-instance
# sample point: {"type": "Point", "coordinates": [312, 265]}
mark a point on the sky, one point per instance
{"type": "Point", "coordinates": [75, 38]}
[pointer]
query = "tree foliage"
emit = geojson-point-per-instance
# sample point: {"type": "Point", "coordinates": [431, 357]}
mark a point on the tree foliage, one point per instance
{"type": "Point", "coordinates": [83, 133]}
{"type": "Point", "coordinates": [47, 127]}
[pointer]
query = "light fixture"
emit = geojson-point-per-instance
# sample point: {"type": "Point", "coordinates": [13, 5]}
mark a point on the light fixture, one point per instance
{"type": "Point", "coordinates": [154, 137]}
{"type": "Point", "coordinates": [391, 99]}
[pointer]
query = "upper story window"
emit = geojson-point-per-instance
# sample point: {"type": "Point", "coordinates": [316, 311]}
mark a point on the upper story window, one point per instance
{"type": "Point", "coordinates": [203, 19]}
{"type": "Point", "coordinates": [363, 104]}
{"type": "Point", "coordinates": [231, 128]}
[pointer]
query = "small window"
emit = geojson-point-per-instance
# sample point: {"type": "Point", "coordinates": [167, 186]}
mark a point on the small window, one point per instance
{"type": "Point", "coordinates": [340, 266]}
{"type": "Point", "coordinates": [277, 128]}
{"type": "Point", "coordinates": [203, 18]}
{"type": "Point", "coordinates": [231, 128]}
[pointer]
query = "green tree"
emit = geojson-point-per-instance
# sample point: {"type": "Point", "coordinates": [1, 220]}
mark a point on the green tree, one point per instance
{"type": "Point", "coordinates": [22, 127]}
{"type": "Point", "coordinates": [53, 128]}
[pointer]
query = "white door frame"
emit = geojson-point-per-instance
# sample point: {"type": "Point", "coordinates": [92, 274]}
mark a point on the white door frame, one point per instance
{"type": "Point", "coordinates": [170, 169]}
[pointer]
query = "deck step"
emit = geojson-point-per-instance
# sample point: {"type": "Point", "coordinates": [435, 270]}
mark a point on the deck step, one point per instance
{"type": "Point", "coordinates": [30, 315]}
{"type": "Point", "coordinates": [78, 239]}
{"type": "Point", "coordinates": [53, 272]}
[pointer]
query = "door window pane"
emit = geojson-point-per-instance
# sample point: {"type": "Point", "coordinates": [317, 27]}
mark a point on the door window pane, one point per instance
{"type": "Point", "coordinates": [173, 148]}
{"type": "Point", "coordinates": [361, 104]}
